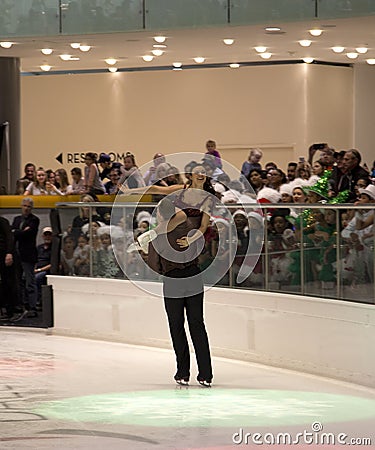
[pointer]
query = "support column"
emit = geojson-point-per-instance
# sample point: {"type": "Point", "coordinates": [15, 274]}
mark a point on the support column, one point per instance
{"type": "Point", "coordinates": [10, 112]}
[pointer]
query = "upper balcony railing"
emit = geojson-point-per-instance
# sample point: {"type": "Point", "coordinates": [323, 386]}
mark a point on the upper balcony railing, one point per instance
{"type": "Point", "coordinates": [57, 17]}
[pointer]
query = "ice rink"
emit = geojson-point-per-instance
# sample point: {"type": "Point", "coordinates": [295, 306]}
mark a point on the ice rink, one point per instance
{"type": "Point", "coordinates": [68, 393]}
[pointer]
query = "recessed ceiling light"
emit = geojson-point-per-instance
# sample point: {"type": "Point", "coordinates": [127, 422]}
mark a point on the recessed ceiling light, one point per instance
{"type": "Point", "coordinates": [159, 39]}
{"type": "Point", "coordinates": [304, 43]}
{"type": "Point", "coordinates": [45, 67]}
{"type": "Point", "coordinates": [316, 32]}
{"type": "Point", "coordinates": [75, 45]}
{"type": "Point", "coordinates": [85, 48]}
{"type": "Point", "coordinates": [272, 29]}
{"type": "Point", "coordinates": [177, 65]}
{"type": "Point", "coordinates": [228, 41]}
{"type": "Point", "coordinates": [74, 58]}
{"type": "Point", "coordinates": [199, 59]}
{"type": "Point", "coordinates": [260, 49]}
{"type": "Point", "coordinates": [265, 55]}
{"type": "Point", "coordinates": [370, 61]}
{"type": "Point", "coordinates": [362, 50]}
{"type": "Point", "coordinates": [352, 55]}
{"type": "Point", "coordinates": [113, 69]}
{"type": "Point", "coordinates": [6, 44]}
{"type": "Point", "coordinates": [177, 68]}
{"type": "Point", "coordinates": [234, 66]}
{"type": "Point", "coordinates": [159, 46]}
{"type": "Point", "coordinates": [308, 60]}
{"type": "Point", "coordinates": [46, 51]}
{"type": "Point", "coordinates": [111, 61]}
{"type": "Point", "coordinates": [65, 57]}
{"type": "Point", "coordinates": [157, 52]}
{"type": "Point", "coordinates": [338, 49]}
{"type": "Point", "coordinates": [147, 58]}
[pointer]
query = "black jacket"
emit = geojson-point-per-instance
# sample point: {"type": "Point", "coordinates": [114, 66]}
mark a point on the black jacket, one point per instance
{"type": "Point", "coordinates": [26, 239]}
{"type": "Point", "coordinates": [6, 237]}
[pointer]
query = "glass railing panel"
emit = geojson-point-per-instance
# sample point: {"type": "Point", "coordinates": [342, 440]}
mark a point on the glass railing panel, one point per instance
{"type": "Point", "coordinates": [101, 16]}
{"type": "Point", "coordinates": [357, 255]}
{"type": "Point", "coordinates": [29, 18]}
{"type": "Point", "coordinates": [270, 11]}
{"type": "Point", "coordinates": [308, 249]}
{"type": "Point", "coordinates": [335, 9]}
{"type": "Point", "coordinates": [185, 13]}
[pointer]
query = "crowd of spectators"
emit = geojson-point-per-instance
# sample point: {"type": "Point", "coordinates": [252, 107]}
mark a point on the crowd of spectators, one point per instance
{"type": "Point", "coordinates": [95, 244]}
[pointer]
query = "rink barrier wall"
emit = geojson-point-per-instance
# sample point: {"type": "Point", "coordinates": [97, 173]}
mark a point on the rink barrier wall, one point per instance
{"type": "Point", "coordinates": [330, 338]}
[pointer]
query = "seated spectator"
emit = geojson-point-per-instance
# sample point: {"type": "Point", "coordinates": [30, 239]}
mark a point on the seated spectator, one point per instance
{"type": "Point", "coordinates": [286, 191]}
{"type": "Point", "coordinates": [161, 174]}
{"type": "Point", "coordinates": [173, 176]}
{"type": "Point", "coordinates": [208, 162]}
{"type": "Point", "coordinates": [276, 178]}
{"type": "Point", "coordinates": [84, 216]}
{"type": "Point", "coordinates": [28, 178]}
{"type": "Point", "coordinates": [318, 169]}
{"type": "Point", "coordinates": [67, 255]}
{"type": "Point", "coordinates": [93, 183]}
{"type": "Point", "coordinates": [106, 165]}
{"type": "Point", "coordinates": [252, 163]}
{"type": "Point", "coordinates": [61, 186]}
{"type": "Point", "coordinates": [81, 256]}
{"type": "Point", "coordinates": [348, 176]}
{"type": "Point", "coordinates": [291, 172]}
{"type": "Point", "coordinates": [39, 187]}
{"type": "Point", "coordinates": [43, 264]}
{"type": "Point", "coordinates": [211, 150]}
{"type": "Point", "coordinates": [130, 173]}
{"type": "Point", "coordinates": [255, 180]}
{"type": "Point", "coordinates": [111, 187]}
{"type": "Point", "coordinates": [149, 177]}
{"type": "Point", "coordinates": [78, 183]}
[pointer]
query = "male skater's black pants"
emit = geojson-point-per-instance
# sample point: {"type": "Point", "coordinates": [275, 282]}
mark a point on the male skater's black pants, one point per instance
{"type": "Point", "coordinates": [180, 295]}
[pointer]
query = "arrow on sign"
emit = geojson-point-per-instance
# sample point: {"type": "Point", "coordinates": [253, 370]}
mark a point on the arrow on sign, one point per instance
{"type": "Point", "coordinates": [60, 158]}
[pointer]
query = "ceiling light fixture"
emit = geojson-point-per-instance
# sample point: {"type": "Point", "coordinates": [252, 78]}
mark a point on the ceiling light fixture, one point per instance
{"type": "Point", "coordinates": [338, 49]}
{"type": "Point", "coordinates": [177, 68]}
{"type": "Point", "coordinates": [75, 45]}
{"type": "Point", "coordinates": [370, 61]}
{"type": "Point", "coordinates": [45, 67]}
{"type": "Point", "coordinates": [6, 44]}
{"type": "Point", "coordinates": [260, 49]}
{"type": "Point", "coordinates": [85, 48]}
{"type": "Point", "coordinates": [265, 55]}
{"type": "Point", "coordinates": [228, 41]}
{"type": "Point", "coordinates": [159, 39]}
{"type": "Point", "coordinates": [46, 51]}
{"type": "Point", "coordinates": [234, 66]}
{"type": "Point", "coordinates": [308, 60]}
{"type": "Point", "coordinates": [113, 69]}
{"type": "Point", "coordinates": [362, 50]}
{"type": "Point", "coordinates": [65, 57]}
{"type": "Point", "coordinates": [147, 58]}
{"type": "Point", "coordinates": [159, 46]}
{"type": "Point", "coordinates": [316, 32]}
{"type": "Point", "coordinates": [272, 29]}
{"type": "Point", "coordinates": [111, 61]}
{"type": "Point", "coordinates": [177, 65]}
{"type": "Point", "coordinates": [157, 52]}
{"type": "Point", "coordinates": [352, 55]}
{"type": "Point", "coordinates": [199, 59]}
{"type": "Point", "coordinates": [74, 58]}
{"type": "Point", "coordinates": [304, 43]}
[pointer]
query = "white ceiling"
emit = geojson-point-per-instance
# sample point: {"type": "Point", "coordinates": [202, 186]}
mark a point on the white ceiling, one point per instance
{"type": "Point", "coordinates": [184, 45]}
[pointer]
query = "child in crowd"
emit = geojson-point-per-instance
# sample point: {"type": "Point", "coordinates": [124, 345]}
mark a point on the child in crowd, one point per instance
{"type": "Point", "coordinates": [82, 256]}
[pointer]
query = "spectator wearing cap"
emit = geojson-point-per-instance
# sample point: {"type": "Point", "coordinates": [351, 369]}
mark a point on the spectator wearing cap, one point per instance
{"type": "Point", "coordinates": [286, 191]}
{"type": "Point", "coordinates": [43, 264]}
{"type": "Point", "coordinates": [348, 176]}
{"type": "Point", "coordinates": [106, 165]}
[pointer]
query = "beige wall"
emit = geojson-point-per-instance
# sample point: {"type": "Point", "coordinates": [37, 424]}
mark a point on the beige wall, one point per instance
{"type": "Point", "coordinates": [282, 109]}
